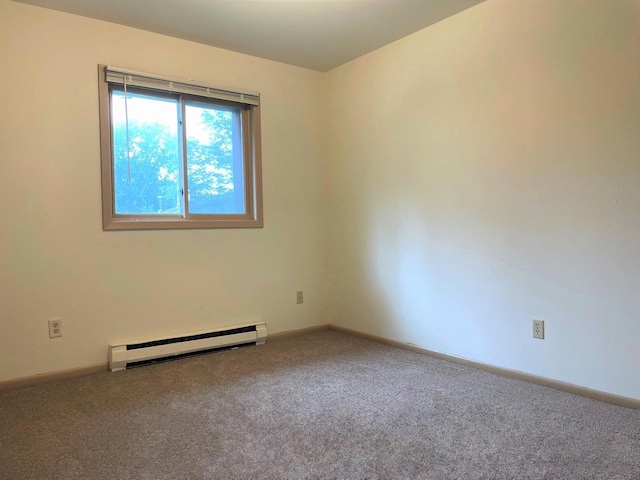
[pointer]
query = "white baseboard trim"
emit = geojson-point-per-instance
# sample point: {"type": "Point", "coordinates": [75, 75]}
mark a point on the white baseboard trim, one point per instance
{"type": "Point", "coordinates": [527, 377]}
{"type": "Point", "coordinates": [51, 376]}
{"type": "Point", "coordinates": [297, 332]}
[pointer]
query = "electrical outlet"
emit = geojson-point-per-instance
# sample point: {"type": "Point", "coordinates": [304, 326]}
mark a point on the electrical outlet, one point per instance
{"type": "Point", "coordinates": [299, 297]}
{"type": "Point", "coordinates": [55, 328]}
{"type": "Point", "coordinates": [538, 329]}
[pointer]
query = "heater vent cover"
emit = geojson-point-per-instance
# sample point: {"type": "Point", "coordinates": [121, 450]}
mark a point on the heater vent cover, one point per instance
{"type": "Point", "coordinates": [141, 353]}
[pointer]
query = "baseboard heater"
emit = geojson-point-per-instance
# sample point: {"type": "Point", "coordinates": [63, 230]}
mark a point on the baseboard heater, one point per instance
{"type": "Point", "coordinates": [151, 351]}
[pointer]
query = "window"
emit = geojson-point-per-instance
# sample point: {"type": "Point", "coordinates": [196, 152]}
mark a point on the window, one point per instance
{"type": "Point", "coordinates": [177, 154]}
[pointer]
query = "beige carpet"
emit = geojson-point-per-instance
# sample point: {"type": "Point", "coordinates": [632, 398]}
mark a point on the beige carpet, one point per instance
{"type": "Point", "coordinates": [323, 405]}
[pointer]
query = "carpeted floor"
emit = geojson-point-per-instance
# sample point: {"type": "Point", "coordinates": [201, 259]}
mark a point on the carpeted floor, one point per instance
{"type": "Point", "coordinates": [323, 405]}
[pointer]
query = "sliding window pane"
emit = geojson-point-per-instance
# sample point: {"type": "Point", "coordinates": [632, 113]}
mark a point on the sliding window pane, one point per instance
{"type": "Point", "coordinates": [146, 160]}
{"type": "Point", "coordinates": [214, 159]}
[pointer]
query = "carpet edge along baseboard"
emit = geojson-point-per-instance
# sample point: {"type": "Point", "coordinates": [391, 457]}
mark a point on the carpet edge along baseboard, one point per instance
{"type": "Point", "coordinates": [612, 398]}
{"type": "Point", "coordinates": [52, 376]}
{"type": "Point", "coordinates": [527, 377]}
{"type": "Point", "coordinates": [103, 367]}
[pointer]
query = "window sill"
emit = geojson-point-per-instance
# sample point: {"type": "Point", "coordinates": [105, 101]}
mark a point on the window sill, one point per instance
{"type": "Point", "coordinates": [173, 223]}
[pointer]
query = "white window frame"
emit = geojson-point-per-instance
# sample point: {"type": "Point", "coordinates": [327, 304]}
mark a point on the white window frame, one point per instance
{"type": "Point", "coordinates": [249, 102]}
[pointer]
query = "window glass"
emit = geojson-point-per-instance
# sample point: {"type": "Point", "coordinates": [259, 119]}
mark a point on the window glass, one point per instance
{"type": "Point", "coordinates": [214, 159]}
{"type": "Point", "coordinates": [146, 160]}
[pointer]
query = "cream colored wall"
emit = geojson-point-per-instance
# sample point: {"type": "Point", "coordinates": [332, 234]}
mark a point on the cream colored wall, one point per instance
{"type": "Point", "coordinates": [484, 172]}
{"type": "Point", "coordinates": [115, 286]}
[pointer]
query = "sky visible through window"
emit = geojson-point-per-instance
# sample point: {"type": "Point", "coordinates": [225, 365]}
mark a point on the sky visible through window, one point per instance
{"type": "Point", "coordinates": [157, 112]}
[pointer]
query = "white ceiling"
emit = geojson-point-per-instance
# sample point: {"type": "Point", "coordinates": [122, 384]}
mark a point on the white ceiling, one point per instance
{"type": "Point", "coordinates": [317, 34]}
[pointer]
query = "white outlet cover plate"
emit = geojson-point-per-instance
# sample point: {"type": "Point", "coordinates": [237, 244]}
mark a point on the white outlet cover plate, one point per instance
{"type": "Point", "coordinates": [55, 328]}
{"type": "Point", "coordinates": [538, 329]}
